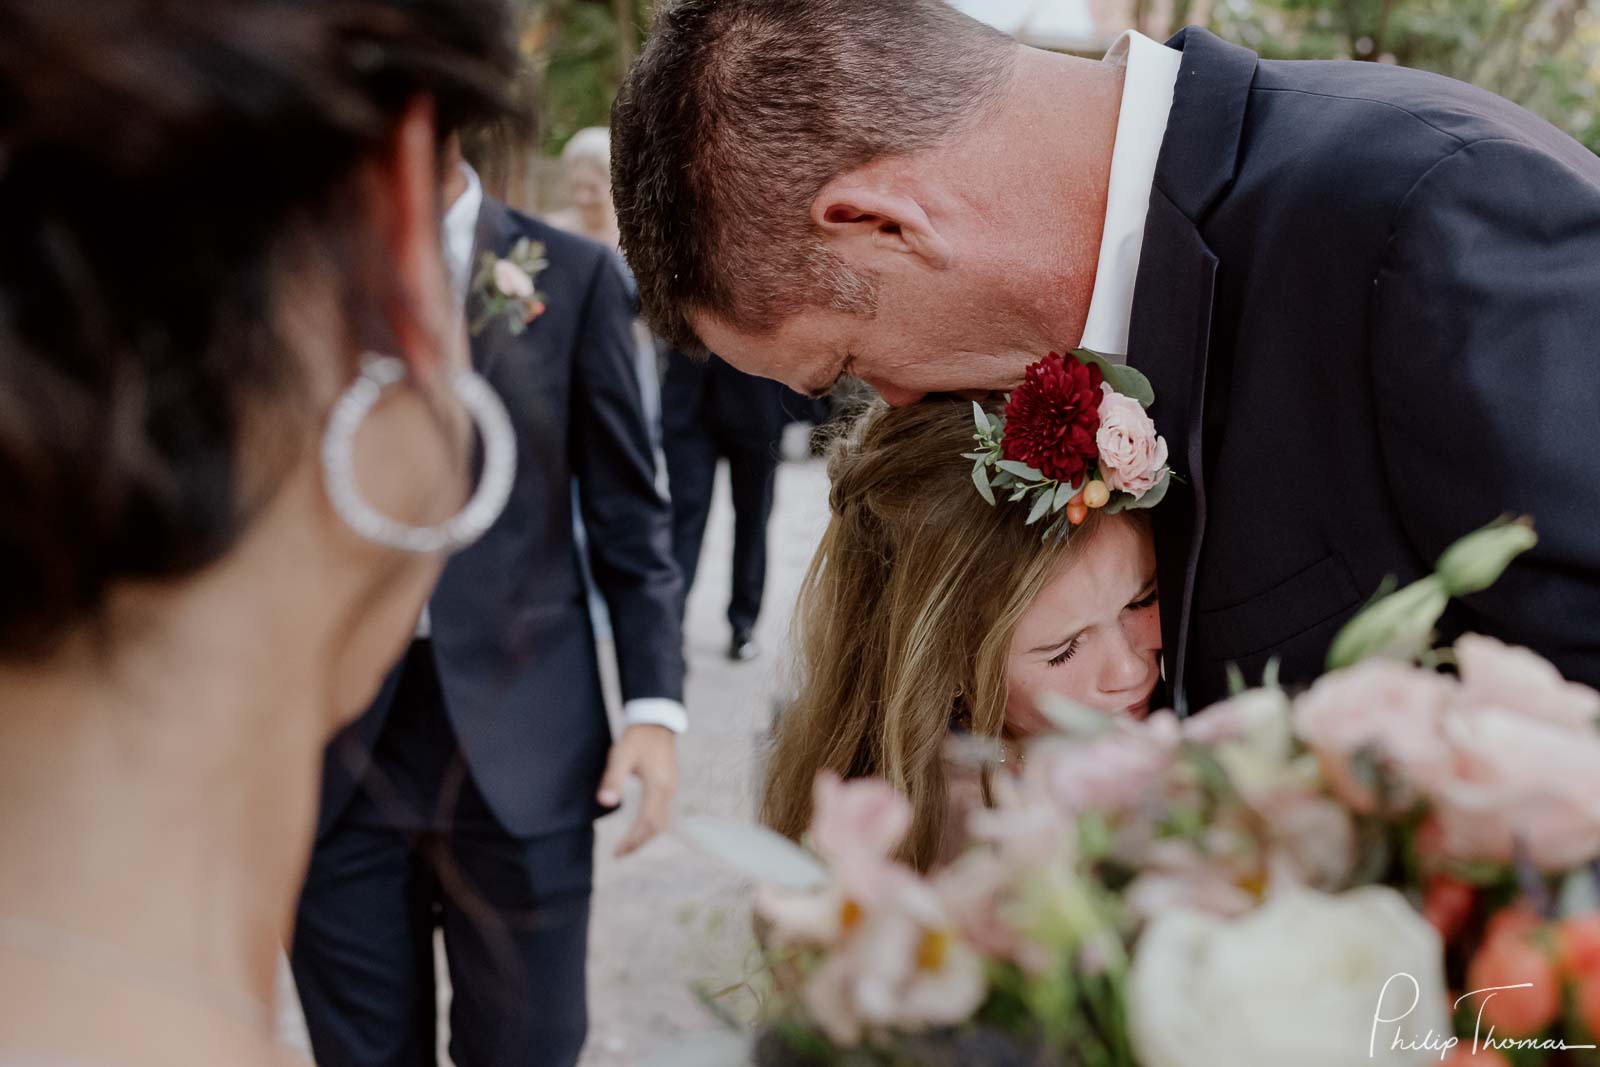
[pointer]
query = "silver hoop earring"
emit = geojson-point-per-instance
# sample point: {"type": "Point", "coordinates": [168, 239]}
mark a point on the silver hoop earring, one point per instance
{"type": "Point", "coordinates": [488, 413]}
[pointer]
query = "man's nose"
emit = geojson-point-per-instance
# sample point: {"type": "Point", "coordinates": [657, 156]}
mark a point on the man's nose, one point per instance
{"type": "Point", "coordinates": [894, 395]}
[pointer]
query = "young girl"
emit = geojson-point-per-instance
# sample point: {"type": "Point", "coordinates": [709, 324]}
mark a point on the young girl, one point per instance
{"type": "Point", "coordinates": [928, 611]}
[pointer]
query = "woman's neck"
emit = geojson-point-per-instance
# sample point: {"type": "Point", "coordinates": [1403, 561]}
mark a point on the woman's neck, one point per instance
{"type": "Point", "coordinates": [157, 802]}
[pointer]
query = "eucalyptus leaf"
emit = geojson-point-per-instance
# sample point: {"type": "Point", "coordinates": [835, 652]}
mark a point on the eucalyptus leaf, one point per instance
{"type": "Point", "coordinates": [980, 417]}
{"type": "Point", "coordinates": [752, 850]}
{"type": "Point", "coordinates": [1002, 480]}
{"type": "Point", "coordinates": [1021, 470]}
{"type": "Point", "coordinates": [980, 478]}
{"type": "Point", "coordinates": [1041, 506]}
{"type": "Point", "coordinates": [1121, 377]}
{"type": "Point", "coordinates": [1157, 493]}
{"type": "Point", "coordinates": [979, 456]}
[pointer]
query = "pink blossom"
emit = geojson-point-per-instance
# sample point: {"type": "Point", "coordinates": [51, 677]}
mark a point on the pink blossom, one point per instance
{"type": "Point", "coordinates": [861, 819]}
{"type": "Point", "coordinates": [1132, 457]}
{"type": "Point", "coordinates": [1117, 770]}
{"type": "Point", "coordinates": [1515, 777]}
{"type": "Point", "coordinates": [1390, 709]}
{"type": "Point", "coordinates": [1496, 675]}
{"type": "Point", "coordinates": [512, 280]}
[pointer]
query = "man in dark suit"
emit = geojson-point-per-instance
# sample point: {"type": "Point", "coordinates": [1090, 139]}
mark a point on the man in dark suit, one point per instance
{"type": "Point", "coordinates": [1368, 298]}
{"type": "Point", "coordinates": [464, 799]}
{"type": "Point", "coordinates": [710, 411]}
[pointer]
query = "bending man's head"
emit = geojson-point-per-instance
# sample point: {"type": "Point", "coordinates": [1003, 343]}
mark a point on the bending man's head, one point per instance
{"type": "Point", "coordinates": [776, 187]}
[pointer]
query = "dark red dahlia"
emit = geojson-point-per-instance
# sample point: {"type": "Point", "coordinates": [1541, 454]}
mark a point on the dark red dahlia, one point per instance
{"type": "Point", "coordinates": [1052, 417]}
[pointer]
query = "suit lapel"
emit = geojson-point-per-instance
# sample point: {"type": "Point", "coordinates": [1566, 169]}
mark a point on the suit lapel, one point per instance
{"type": "Point", "coordinates": [496, 233]}
{"type": "Point", "coordinates": [1170, 336]}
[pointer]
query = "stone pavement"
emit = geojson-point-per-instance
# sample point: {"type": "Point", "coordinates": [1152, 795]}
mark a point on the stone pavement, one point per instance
{"type": "Point", "coordinates": [665, 917]}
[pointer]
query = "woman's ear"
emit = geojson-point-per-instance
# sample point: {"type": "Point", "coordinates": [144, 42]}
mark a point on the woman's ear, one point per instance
{"type": "Point", "coordinates": [404, 183]}
{"type": "Point", "coordinates": [877, 228]}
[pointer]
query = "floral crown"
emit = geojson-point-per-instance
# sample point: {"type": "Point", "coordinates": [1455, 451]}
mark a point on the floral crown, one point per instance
{"type": "Point", "coordinates": [1075, 438]}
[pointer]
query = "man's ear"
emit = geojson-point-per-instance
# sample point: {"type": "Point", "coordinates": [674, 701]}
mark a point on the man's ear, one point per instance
{"type": "Point", "coordinates": [871, 225]}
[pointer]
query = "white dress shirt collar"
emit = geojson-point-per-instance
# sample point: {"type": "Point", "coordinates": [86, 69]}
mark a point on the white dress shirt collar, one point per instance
{"type": "Point", "coordinates": [1147, 90]}
{"type": "Point", "coordinates": [460, 231]}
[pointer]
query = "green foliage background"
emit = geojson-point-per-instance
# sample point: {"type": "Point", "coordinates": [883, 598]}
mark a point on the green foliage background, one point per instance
{"type": "Point", "coordinates": [1543, 54]}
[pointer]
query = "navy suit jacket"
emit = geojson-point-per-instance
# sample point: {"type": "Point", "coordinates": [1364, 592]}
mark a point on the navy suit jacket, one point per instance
{"type": "Point", "coordinates": [1369, 302]}
{"type": "Point", "coordinates": [510, 616]}
{"type": "Point", "coordinates": [708, 392]}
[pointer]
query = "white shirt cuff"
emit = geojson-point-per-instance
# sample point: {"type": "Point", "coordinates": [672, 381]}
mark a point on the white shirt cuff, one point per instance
{"type": "Point", "coordinates": [655, 711]}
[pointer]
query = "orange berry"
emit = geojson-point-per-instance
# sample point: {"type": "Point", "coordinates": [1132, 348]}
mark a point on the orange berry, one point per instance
{"type": "Point", "coordinates": [1077, 512]}
{"type": "Point", "coordinates": [1096, 494]}
{"type": "Point", "coordinates": [1512, 958]}
{"type": "Point", "coordinates": [1578, 946]}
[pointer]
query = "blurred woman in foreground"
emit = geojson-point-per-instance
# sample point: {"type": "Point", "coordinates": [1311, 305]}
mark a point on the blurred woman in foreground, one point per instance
{"type": "Point", "coordinates": [216, 221]}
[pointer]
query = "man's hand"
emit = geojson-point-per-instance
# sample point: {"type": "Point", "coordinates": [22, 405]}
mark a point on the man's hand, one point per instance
{"type": "Point", "coordinates": [651, 753]}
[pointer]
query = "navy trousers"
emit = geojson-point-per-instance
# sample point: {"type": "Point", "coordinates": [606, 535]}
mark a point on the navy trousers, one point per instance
{"type": "Point", "coordinates": [418, 851]}
{"type": "Point", "coordinates": [692, 453]}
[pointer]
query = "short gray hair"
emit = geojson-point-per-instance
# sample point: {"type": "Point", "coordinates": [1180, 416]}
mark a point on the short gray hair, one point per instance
{"type": "Point", "coordinates": [739, 112]}
{"type": "Point", "coordinates": [591, 145]}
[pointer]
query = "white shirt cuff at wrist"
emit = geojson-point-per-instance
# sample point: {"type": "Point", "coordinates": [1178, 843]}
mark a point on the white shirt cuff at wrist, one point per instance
{"type": "Point", "coordinates": [655, 711]}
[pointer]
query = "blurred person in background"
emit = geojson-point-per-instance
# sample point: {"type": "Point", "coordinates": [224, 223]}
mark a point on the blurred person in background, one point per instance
{"type": "Point", "coordinates": [586, 166]}
{"type": "Point", "coordinates": [219, 260]}
{"type": "Point", "coordinates": [465, 798]}
{"type": "Point", "coordinates": [709, 412]}
{"type": "Point", "coordinates": [586, 169]}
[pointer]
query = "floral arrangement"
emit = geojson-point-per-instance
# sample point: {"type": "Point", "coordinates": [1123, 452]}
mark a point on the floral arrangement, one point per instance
{"type": "Point", "coordinates": [1396, 865]}
{"type": "Point", "coordinates": [505, 289]}
{"type": "Point", "coordinates": [1075, 438]}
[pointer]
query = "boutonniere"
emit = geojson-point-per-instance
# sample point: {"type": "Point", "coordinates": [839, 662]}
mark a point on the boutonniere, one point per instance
{"type": "Point", "coordinates": [504, 287]}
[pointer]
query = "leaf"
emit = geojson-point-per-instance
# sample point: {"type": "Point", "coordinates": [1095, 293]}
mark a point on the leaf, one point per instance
{"type": "Point", "coordinates": [718, 1049]}
{"type": "Point", "coordinates": [1021, 470]}
{"type": "Point", "coordinates": [979, 456]}
{"type": "Point", "coordinates": [753, 850]}
{"type": "Point", "coordinates": [1121, 377]}
{"type": "Point", "coordinates": [980, 478]}
{"type": "Point", "coordinates": [980, 417]}
{"type": "Point", "coordinates": [1041, 506]}
{"type": "Point", "coordinates": [1236, 682]}
{"type": "Point", "coordinates": [1064, 495]}
{"type": "Point", "coordinates": [1157, 493]}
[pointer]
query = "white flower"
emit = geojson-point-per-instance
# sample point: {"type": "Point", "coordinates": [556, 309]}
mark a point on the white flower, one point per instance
{"type": "Point", "coordinates": [512, 280]}
{"type": "Point", "coordinates": [1297, 981]}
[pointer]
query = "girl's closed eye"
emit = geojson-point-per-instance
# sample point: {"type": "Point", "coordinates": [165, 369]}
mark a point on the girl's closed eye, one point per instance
{"type": "Point", "coordinates": [1149, 600]}
{"type": "Point", "coordinates": [1065, 654]}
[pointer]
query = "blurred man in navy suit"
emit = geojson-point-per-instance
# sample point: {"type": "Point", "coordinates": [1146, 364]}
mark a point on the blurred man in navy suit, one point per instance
{"type": "Point", "coordinates": [465, 798]}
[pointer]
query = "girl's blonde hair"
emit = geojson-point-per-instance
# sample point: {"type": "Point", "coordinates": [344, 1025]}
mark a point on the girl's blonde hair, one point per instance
{"type": "Point", "coordinates": [905, 618]}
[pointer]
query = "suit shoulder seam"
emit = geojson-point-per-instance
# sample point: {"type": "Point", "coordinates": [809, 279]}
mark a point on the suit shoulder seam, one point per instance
{"type": "Point", "coordinates": [1391, 105]}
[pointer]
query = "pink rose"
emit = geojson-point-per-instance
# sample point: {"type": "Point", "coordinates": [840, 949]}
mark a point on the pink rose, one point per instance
{"type": "Point", "coordinates": [1391, 709]}
{"type": "Point", "coordinates": [512, 280]}
{"type": "Point", "coordinates": [1132, 457]}
{"type": "Point", "coordinates": [1496, 675]}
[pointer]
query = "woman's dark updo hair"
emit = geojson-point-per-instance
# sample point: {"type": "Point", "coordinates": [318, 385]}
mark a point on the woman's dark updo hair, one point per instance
{"type": "Point", "coordinates": [159, 164]}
